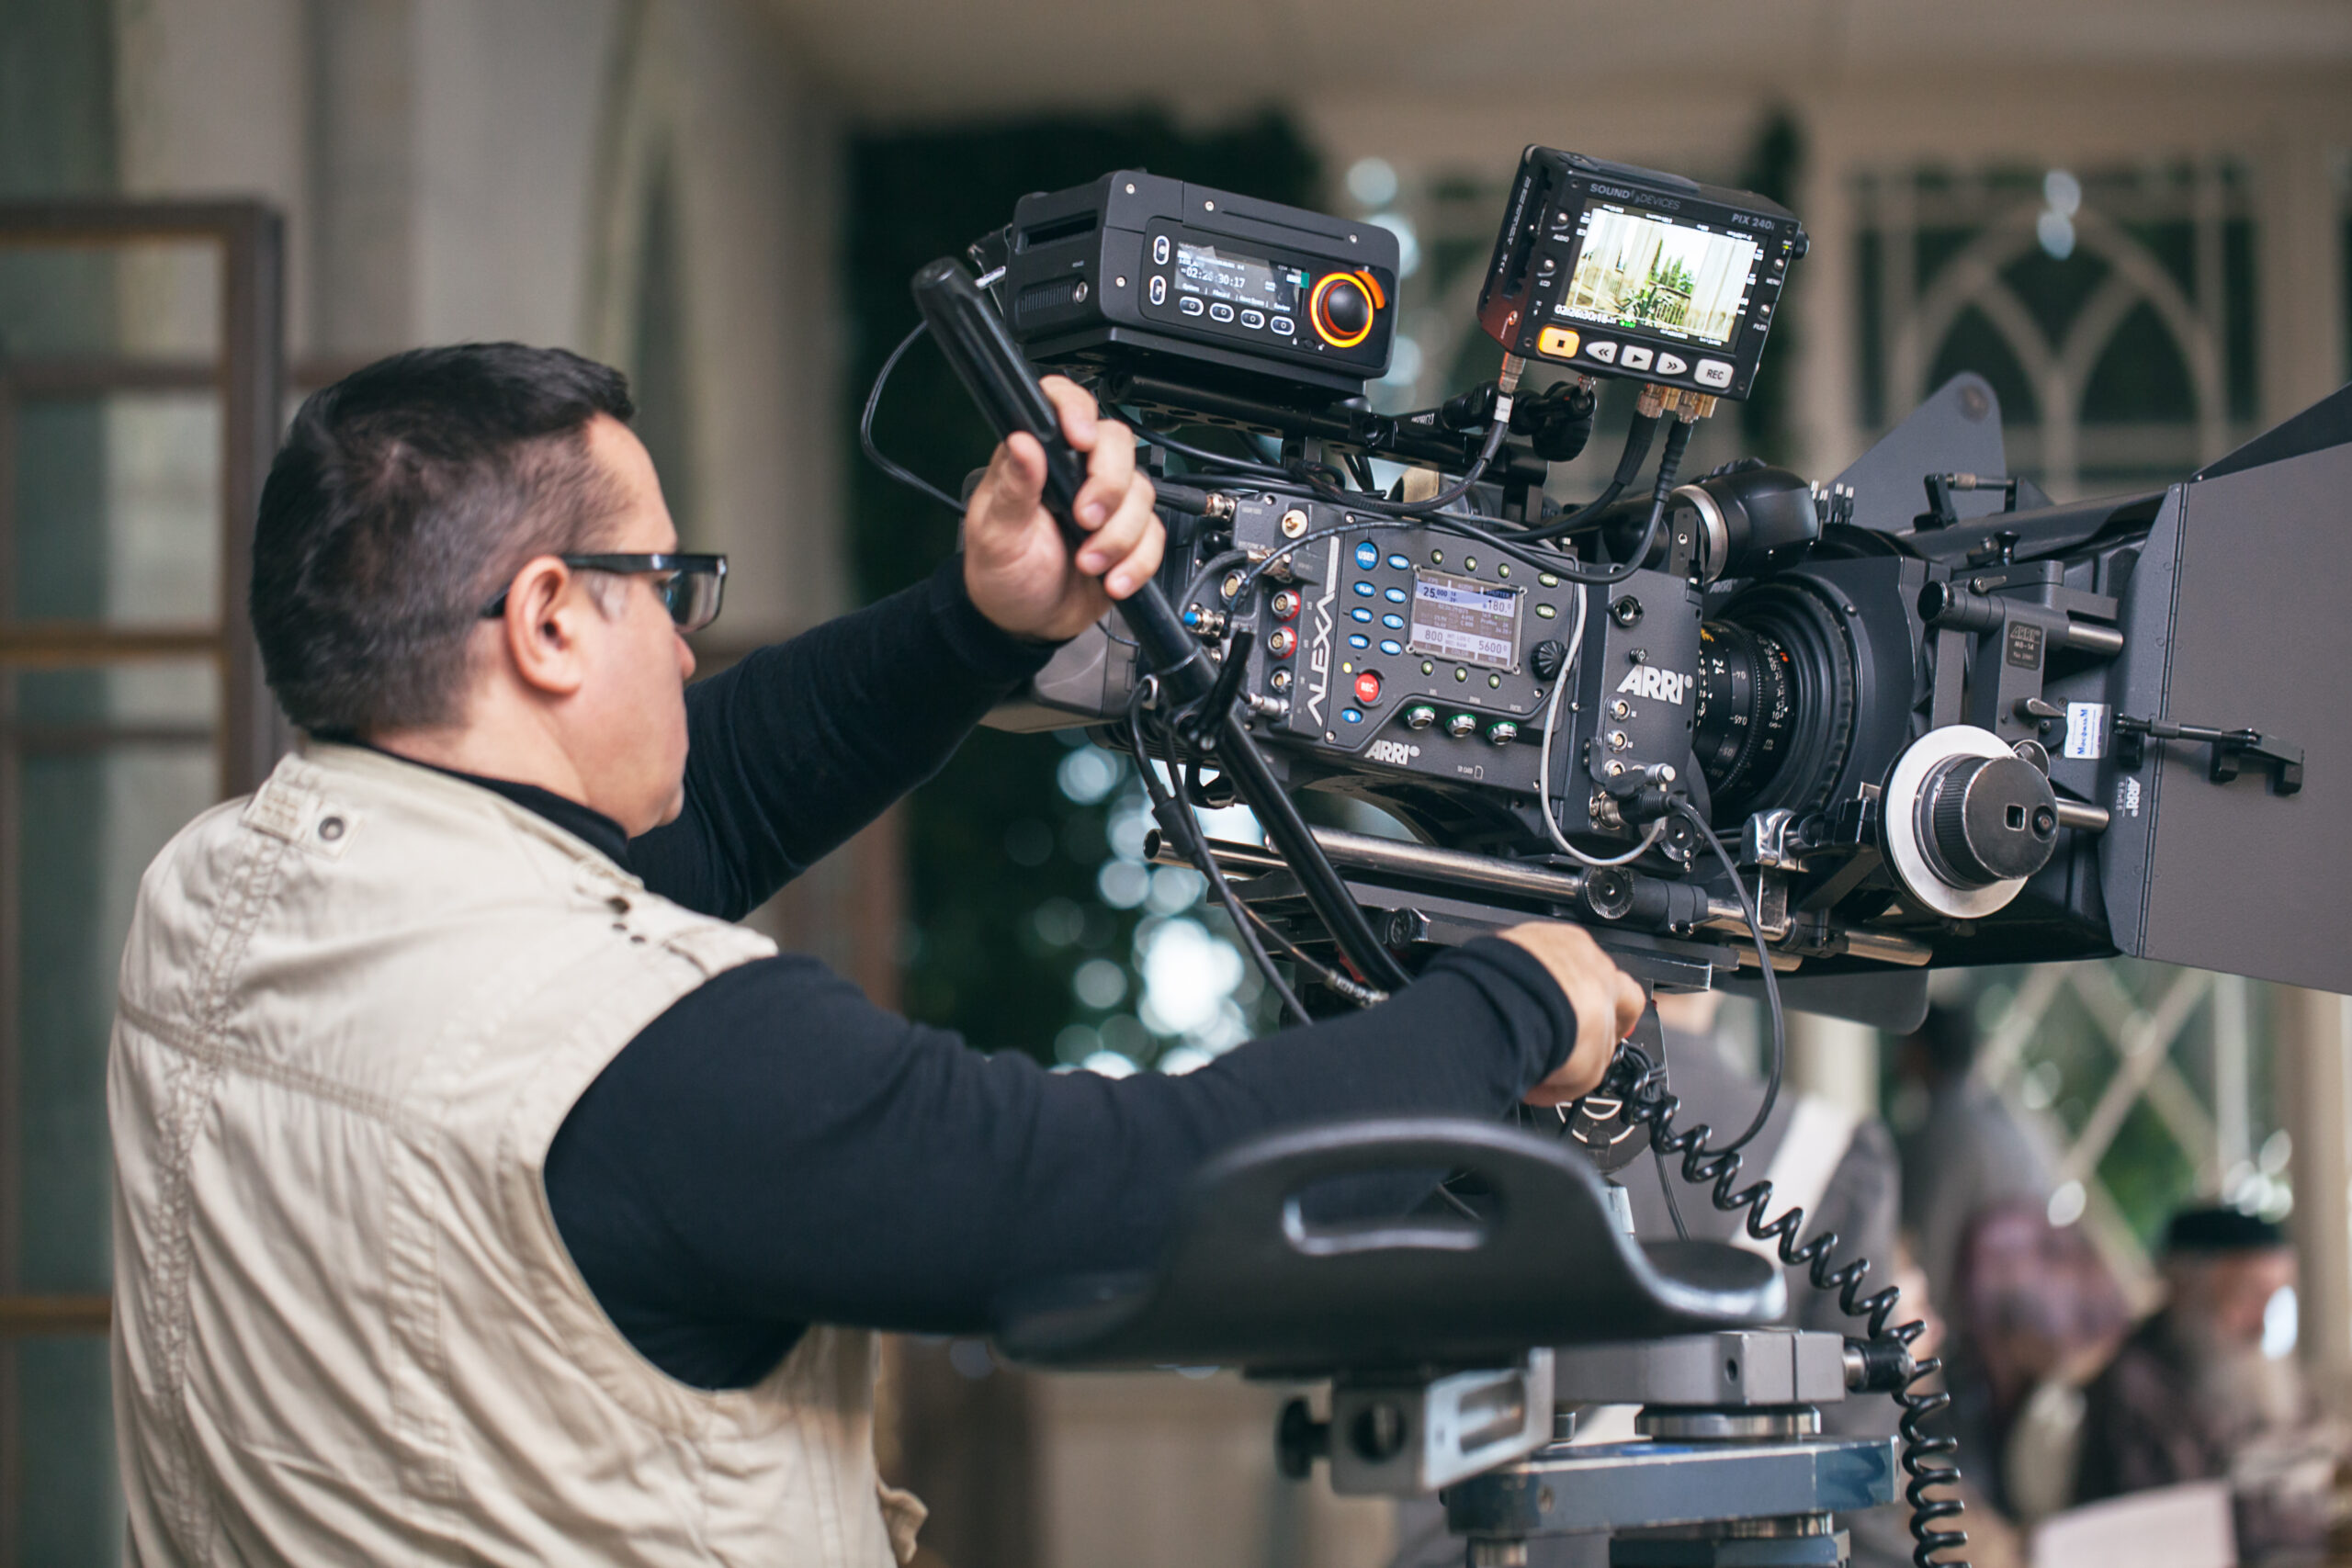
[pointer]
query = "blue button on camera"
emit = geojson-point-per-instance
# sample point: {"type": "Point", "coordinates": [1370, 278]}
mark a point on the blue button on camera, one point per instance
{"type": "Point", "coordinates": [1367, 554]}
{"type": "Point", "coordinates": [1392, 648]}
{"type": "Point", "coordinates": [1350, 716]}
{"type": "Point", "coordinates": [1361, 614]}
{"type": "Point", "coordinates": [1395, 595]}
{"type": "Point", "coordinates": [1367, 590]}
{"type": "Point", "coordinates": [1357, 640]}
{"type": "Point", "coordinates": [1400, 563]}
{"type": "Point", "coordinates": [1393, 623]}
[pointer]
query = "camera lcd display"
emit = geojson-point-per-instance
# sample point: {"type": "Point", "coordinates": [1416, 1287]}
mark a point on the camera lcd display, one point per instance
{"type": "Point", "coordinates": [1641, 271]}
{"type": "Point", "coordinates": [1462, 618]}
{"type": "Point", "coordinates": [1245, 280]}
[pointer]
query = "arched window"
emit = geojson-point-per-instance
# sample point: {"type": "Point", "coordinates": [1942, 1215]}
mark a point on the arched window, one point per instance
{"type": "Point", "coordinates": [2112, 311]}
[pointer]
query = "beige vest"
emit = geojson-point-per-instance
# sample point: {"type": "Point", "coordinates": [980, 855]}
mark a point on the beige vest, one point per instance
{"type": "Point", "coordinates": [355, 1009]}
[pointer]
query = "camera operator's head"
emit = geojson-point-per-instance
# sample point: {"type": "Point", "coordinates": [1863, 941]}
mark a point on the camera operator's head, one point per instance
{"type": "Point", "coordinates": [462, 555]}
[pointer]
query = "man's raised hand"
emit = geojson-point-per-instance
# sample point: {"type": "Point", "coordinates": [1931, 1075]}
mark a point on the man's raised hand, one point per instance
{"type": "Point", "coordinates": [1016, 568]}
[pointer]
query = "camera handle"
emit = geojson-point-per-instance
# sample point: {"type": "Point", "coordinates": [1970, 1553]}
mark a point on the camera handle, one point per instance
{"type": "Point", "coordinates": [983, 357]}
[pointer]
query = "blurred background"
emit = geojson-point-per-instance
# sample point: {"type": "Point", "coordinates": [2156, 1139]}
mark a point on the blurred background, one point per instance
{"type": "Point", "coordinates": [2134, 219]}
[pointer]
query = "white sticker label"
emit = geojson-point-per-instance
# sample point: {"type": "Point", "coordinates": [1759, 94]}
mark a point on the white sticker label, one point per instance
{"type": "Point", "coordinates": [2086, 729]}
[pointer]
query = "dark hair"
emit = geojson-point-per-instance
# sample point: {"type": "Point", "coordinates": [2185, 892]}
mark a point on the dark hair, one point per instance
{"type": "Point", "coordinates": [406, 495]}
{"type": "Point", "coordinates": [2213, 1230]}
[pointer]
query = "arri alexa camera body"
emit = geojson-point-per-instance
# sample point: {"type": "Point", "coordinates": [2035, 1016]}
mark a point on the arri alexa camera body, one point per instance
{"type": "Point", "coordinates": [1940, 719]}
{"type": "Point", "coordinates": [1809, 738]}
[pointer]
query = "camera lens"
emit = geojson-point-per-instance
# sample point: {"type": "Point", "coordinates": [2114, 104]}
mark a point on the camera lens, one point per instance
{"type": "Point", "coordinates": [1775, 708]}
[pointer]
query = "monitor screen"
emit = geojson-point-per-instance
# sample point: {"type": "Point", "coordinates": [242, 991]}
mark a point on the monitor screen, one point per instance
{"type": "Point", "coordinates": [1643, 272]}
{"type": "Point", "coordinates": [1462, 618]}
{"type": "Point", "coordinates": [1244, 279]}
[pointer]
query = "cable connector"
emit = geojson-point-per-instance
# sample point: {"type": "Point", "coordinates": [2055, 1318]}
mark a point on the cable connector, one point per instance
{"type": "Point", "coordinates": [1507, 386]}
{"type": "Point", "coordinates": [1877, 1365]}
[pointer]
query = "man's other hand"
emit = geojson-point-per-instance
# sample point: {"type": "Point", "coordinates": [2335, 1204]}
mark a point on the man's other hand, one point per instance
{"type": "Point", "coordinates": [1607, 1003]}
{"type": "Point", "coordinates": [1015, 566]}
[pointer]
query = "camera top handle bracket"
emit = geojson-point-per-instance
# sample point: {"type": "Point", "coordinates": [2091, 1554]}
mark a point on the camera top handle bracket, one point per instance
{"type": "Point", "coordinates": [984, 358]}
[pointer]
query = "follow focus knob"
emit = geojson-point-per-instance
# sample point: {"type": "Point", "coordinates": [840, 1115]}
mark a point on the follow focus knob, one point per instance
{"type": "Point", "coordinates": [1342, 309]}
{"type": "Point", "coordinates": [1989, 819]}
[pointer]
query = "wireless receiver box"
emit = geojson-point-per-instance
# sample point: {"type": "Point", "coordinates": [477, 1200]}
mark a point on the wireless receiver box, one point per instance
{"type": "Point", "coordinates": [1135, 264]}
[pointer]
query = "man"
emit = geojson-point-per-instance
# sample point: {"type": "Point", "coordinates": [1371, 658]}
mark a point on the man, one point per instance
{"type": "Point", "coordinates": [2196, 1394]}
{"type": "Point", "coordinates": [480, 1192]}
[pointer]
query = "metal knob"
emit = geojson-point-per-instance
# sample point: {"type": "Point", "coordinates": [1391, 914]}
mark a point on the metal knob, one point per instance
{"type": "Point", "coordinates": [1989, 819]}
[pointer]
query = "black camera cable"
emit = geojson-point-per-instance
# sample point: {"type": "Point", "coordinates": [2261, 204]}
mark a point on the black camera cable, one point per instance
{"type": "Point", "coordinates": [874, 454]}
{"type": "Point", "coordinates": [1638, 436]}
{"type": "Point", "coordinates": [1176, 819]}
{"type": "Point", "coordinates": [1390, 515]}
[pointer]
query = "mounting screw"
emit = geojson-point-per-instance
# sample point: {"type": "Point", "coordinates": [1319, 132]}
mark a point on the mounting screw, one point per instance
{"type": "Point", "coordinates": [1299, 1440]}
{"type": "Point", "coordinates": [1407, 927]}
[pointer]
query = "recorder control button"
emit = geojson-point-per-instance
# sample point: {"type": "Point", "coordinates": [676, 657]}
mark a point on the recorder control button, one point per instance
{"type": "Point", "coordinates": [1159, 250]}
{"type": "Point", "coordinates": [1285, 327]}
{"type": "Point", "coordinates": [1556, 342]}
{"type": "Point", "coordinates": [1253, 320]}
{"type": "Point", "coordinates": [1189, 306]}
{"type": "Point", "coordinates": [1220, 311]}
{"type": "Point", "coordinates": [1604, 352]}
{"type": "Point", "coordinates": [1713, 373]}
{"type": "Point", "coordinates": [1635, 357]}
{"type": "Point", "coordinates": [1672, 365]}
{"type": "Point", "coordinates": [1159, 291]}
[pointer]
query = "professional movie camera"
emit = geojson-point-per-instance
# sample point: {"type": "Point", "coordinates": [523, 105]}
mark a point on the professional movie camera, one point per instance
{"type": "Point", "coordinates": [1807, 728]}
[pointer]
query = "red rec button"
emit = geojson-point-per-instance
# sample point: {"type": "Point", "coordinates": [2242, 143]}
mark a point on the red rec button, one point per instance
{"type": "Point", "coordinates": [1368, 687]}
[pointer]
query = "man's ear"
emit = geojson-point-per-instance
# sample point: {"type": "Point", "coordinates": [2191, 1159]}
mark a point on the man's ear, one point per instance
{"type": "Point", "coordinates": [546, 612]}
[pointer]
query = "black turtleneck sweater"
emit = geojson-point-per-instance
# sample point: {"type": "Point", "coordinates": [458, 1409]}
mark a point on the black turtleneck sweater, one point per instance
{"type": "Point", "coordinates": [774, 1151]}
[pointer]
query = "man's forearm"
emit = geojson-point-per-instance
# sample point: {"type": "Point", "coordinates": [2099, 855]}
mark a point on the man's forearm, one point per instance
{"type": "Point", "coordinates": [773, 1150]}
{"type": "Point", "coordinates": [801, 744]}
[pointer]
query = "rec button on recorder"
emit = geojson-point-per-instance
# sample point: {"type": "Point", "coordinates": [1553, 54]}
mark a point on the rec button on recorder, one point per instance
{"type": "Point", "coordinates": [1557, 343]}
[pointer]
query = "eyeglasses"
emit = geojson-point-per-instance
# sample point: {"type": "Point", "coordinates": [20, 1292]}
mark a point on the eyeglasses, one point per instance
{"type": "Point", "coordinates": [690, 591]}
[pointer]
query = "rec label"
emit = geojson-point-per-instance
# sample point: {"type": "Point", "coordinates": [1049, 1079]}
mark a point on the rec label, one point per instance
{"type": "Point", "coordinates": [2086, 729]}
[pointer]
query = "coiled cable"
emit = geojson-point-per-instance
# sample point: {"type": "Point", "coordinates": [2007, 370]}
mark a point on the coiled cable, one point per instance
{"type": "Point", "coordinates": [1926, 1457]}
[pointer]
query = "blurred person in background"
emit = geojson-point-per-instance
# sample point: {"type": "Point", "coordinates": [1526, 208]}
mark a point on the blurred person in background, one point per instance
{"type": "Point", "coordinates": [2036, 1315]}
{"type": "Point", "coordinates": [1962, 1149]}
{"type": "Point", "coordinates": [2207, 1390]}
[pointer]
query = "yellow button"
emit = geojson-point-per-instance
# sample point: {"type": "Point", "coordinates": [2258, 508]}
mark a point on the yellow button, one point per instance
{"type": "Point", "coordinates": [1557, 343]}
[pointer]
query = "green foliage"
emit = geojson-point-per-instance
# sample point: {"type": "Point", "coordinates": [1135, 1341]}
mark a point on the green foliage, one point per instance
{"type": "Point", "coordinates": [1003, 865]}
